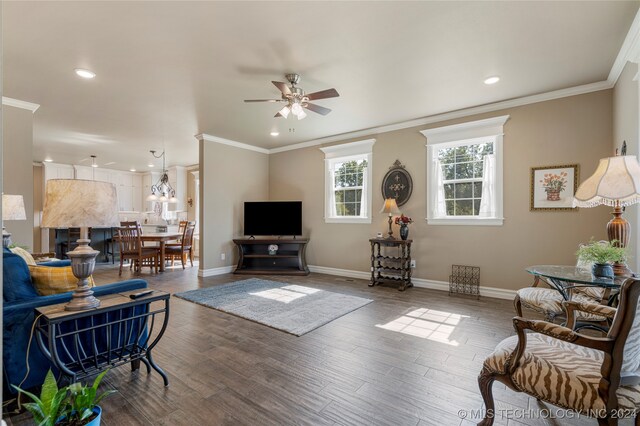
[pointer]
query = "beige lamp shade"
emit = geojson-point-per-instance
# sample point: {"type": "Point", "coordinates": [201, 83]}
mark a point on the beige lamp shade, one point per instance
{"type": "Point", "coordinates": [76, 203]}
{"type": "Point", "coordinates": [615, 181]}
{"type": "Point", "coordinates": [390, 206]}
{"type": "Point", "coordinates": [13, 207]}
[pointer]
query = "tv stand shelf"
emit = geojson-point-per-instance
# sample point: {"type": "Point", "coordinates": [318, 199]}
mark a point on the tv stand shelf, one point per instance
{"type": "Point", "coordinates": [254, 257]}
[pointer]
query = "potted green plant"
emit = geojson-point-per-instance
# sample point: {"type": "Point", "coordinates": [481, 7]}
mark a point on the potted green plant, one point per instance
{"type": "Point", "coordinates": [73, 405]}
{"type": "Point", "coordinates": [602, 254]}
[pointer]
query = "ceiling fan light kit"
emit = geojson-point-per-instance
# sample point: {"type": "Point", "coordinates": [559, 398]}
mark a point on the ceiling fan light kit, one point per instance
{"type": "Point", "coordinates": [297, 100]}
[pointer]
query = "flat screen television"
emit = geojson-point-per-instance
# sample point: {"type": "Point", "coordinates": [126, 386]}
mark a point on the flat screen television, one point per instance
{"type": "Point", "coordinates": [273, 218]}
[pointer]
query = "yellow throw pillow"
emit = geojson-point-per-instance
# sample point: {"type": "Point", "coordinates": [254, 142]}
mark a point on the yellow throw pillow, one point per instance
{"type": "Point", "coordinates": [49, 280]}
{"type": "Point", "coordinates": [23, 254]}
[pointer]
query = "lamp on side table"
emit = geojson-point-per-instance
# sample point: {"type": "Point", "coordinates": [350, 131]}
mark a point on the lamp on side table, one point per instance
{"type": "Point", "coordinates": [75, 203]}
{"type": "Point", "coordinates": [12, 209]}
{"type": "Point", "coordinates": [615, 183]}
{"type": "Point", "coordinates": [391, 207]}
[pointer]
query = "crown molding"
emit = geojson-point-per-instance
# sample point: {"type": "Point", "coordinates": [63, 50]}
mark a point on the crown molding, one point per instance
{"type": "Point", "coordinates": [236, 144]}
{"type": "Point", "coordinates": [630, 50]}
{"type": "Point", "coordinates": [437, 118]}
{"type": "Point", "coordinates": [511, 103]}
{"type": "Point", "coordinates": [17, 103]}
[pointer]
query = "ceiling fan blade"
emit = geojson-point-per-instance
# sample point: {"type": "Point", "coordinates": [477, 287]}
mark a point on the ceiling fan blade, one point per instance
{"type": "Point", "coordinates": [282, 87]}
{"type": "Point", "coordinates": [109, 163]}
{"type": "Point", "coordinates": [317, 108]}
{"type": "Point", "coordinates": [278, 115]}
{"type": "Point", "coordinates": [324, 94]}
{"type": "Point", "coordinates": [262, 100]}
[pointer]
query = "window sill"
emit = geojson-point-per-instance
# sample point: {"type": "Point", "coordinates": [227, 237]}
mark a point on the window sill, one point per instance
{"type": "Point", "coordinates": [466, 221]}
{"type": "Point", "coordinates": [347, 220]}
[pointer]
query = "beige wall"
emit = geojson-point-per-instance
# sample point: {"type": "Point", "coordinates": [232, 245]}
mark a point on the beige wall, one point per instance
{"type": "Point", "coordinates": [625, 110]}
{"type": "Point", "coordinates": [565, 131]}
{"type": "Point", "coordinates": [17, 171]}
{"type": "Point", "coordinates": [626, 124]}
{"type": "Point", "coordinates": [191, 192]}
{"type": "Point", "coordinates": [38, 197]}
{"type": "Point", "coordinates": [228, 177]}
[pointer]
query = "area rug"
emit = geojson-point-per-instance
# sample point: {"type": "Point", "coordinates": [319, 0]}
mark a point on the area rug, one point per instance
{"type": "Point", "coordinates": [292, 308]}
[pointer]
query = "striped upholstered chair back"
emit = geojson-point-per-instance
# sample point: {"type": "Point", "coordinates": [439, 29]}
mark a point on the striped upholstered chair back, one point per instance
{"type": "Point", "coordinates": [594, 376]}
{"type": "Point", "coordinates": [625, 329]}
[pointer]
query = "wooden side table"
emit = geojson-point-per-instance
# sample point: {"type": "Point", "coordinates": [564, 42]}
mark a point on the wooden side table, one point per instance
{"type": "Point", "coordinates": [385, 266]}
{"type": "Point", "coordinates": [119, 331]}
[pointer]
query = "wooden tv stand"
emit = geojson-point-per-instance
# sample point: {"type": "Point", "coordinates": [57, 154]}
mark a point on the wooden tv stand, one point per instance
{"type": "Point", "coordinates": [254, 257]}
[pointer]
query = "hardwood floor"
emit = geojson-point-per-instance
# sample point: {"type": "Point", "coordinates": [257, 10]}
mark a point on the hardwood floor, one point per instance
{"type": "Point", "coordinates": [369, 367]}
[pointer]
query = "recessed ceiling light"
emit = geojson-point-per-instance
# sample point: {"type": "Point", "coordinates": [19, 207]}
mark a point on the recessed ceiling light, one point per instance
{"type": "Point", "coordinates": [274, 133]}
{"type": "Point", "coordinates": [132, 170]}
{"type": "Point", "coordinates": [492, 80]}
{"type": "Point", "coordinates": [150, 165]}
{"type": "Point", "coordinates": [48, 160]}
{"type": "Point", "coordinates": [85, 73]}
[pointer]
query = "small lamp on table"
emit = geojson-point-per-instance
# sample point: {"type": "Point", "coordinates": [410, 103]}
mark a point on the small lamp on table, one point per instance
{"type": "Point", "coordinates": [615, 183]}
{"type": "Point", "coordinates": [391, 207]}
{"type": "Point", "coordinates": [12, 209]}
{"type": "Point", "coordinates": [75, 203]}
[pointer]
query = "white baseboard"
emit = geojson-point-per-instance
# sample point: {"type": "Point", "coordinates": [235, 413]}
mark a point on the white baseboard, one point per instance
{"type": "Point", "coordinates": [498, 293]}
{"type": "Point", "coordinates": [340, 272]}
{"type": "Point", "coordinates": [215, 271]}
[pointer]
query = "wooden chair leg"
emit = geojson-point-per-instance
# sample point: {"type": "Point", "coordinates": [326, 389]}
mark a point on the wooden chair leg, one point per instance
{"type": "Point", "coordinates": [485, 382]}
{"type": "Point", "coordinates": [191, 256]}
{"type": "Point", "coordinates": [518, 305]}
{"type": "Point", "coordinates": [121, 262]}
{"type": "Point", "coordinates": [184, 260]}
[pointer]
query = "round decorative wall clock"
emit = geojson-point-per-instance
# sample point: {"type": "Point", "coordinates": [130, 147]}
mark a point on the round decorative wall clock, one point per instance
{"type": "Point", "coordinates": [397, 183]}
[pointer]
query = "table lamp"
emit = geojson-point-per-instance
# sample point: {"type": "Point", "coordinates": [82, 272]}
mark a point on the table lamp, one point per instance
{"type": "Point", "coordinates": [391, 208]}
{"type": "Point", "coordinates": [80, 204]}
{"type": "Point", "coordinates": [615, 183]}
{"type": "Point", "coordinates": [12, 209]}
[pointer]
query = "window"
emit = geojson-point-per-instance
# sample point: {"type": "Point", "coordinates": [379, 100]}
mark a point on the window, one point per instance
{"type": "Point", "coordinates": [464, 165]}
{"type": "Point", "coordinates": [348, 182]}
{"type": "Point", "coordinates": [462, 169]}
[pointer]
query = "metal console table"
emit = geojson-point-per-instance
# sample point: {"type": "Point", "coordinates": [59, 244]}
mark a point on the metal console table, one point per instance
{"type": "Point", "coordinates": [120, 331]}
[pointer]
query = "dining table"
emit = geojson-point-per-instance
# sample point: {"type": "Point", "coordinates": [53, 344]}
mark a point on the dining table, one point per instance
{"type": "Point", "coordinates": [162, 238]}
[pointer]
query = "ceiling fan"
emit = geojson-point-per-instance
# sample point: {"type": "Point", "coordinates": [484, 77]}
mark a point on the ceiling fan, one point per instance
{"type": "Point", "coordinates": [297, 100]}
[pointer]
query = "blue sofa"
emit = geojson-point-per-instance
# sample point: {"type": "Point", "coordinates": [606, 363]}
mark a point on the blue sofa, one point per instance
{"type": "Point", "coordinates": [19, 301]}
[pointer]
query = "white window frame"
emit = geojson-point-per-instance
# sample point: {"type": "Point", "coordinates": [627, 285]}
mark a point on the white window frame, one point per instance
{"type": "Point", "coordinates": [341, 153]}
{"type": "Point", "coordinates": [458, 135]}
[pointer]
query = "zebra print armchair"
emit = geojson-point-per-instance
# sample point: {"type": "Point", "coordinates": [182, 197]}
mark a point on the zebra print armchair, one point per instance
{"type": "Point", "coordinates": [595, 376]}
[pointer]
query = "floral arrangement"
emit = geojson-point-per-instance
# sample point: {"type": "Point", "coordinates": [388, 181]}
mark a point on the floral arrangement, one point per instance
{"type": "Point", "coordinates": [403, 220]}
{"type": "Point", "coordinates": [554, 182]}
{"type": "Point", "coordinates": [273, 249]}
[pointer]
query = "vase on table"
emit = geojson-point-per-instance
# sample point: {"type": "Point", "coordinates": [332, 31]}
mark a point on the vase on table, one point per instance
{"type": "Point", "coordinates": [404, 231]}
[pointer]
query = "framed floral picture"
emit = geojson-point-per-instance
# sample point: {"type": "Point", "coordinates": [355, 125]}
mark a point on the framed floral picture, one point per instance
{"type": "Point", "coordinates": [553, 187]}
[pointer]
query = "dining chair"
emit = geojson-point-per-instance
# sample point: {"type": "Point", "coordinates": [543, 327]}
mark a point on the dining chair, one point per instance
{"type": "Point", "coordinates": [594, 376]}
{"type": "Point", "coordinates": [131, 248]}
{"type": "Point", "coordinates": [181, 226]}
{"type": "Point", "coordinates": [71, 241]}
{"type": "Point", "coordinates": [182, 249]}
